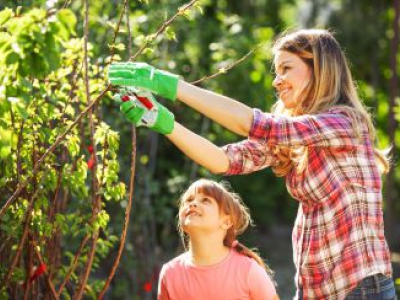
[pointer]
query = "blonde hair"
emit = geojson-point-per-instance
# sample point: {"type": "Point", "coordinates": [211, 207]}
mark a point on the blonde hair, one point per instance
{"type": "Point", "coordinates": [230, 204]}
{"type": "Point", "coordinates": [330, 85]}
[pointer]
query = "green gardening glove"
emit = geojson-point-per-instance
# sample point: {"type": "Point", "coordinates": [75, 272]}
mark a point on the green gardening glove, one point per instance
{"type": "Point", "coordinates": [144, 76]}
{"type": "Point", "coordinates": [141, 109]}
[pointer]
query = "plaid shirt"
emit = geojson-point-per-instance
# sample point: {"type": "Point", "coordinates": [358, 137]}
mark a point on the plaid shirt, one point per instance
{"type": "Point", "coordinates": [338, 236]}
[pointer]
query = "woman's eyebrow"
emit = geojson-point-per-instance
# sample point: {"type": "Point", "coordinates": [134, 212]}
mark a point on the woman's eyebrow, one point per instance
{"type": "Point", "coordinates": [287, 61]}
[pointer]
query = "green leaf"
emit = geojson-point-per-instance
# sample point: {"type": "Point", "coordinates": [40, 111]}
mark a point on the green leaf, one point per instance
{"type": "Point", "coordinates": [120, 46]}
{"type": "Point", "coordinates": [22, 111]}
{"type": "Point", "coordinates": [67, 22]}
{"type": "Point", "coordinates": [171, 34]}
{"type": "Point", "coordinates": [11, 58]}
{"type": "Point", "coordinates": [5, 15]}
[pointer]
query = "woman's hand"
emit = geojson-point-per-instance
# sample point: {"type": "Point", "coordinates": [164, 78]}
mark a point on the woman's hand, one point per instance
{"type": "Point", "coordinates": [141, 109]}
{"type": "Point", "coordinates": [144, 76]}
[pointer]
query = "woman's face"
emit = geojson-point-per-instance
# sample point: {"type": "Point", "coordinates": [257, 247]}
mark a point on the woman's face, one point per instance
{"type": "Point", "coordinates": [292, 76]}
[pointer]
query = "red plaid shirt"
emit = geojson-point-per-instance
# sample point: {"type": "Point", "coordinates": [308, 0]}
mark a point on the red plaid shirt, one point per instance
{"type": "Point", "coordinates": [338, 236]}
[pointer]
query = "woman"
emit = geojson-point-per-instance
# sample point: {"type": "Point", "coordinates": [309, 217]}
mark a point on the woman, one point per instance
{"type": "Point", "coordinates": [320, 137]}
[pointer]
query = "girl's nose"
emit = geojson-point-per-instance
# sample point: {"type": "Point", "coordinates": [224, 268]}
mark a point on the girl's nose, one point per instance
{"type": "Point", "coordinates": [192, 204]}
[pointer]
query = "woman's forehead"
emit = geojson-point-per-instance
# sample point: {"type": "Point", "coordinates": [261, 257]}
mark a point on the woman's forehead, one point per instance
{"type": "Point", "coordinates": [282, 57]}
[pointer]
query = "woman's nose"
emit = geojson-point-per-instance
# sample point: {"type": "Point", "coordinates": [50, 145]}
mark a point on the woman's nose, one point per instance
{"type": "Point", "coordinates": [277, 81]}
{"type": "Point", "coordinates": [192, 204]}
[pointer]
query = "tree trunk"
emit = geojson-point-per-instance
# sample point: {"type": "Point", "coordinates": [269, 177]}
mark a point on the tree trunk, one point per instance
{"type": "Point", "coordinates": [390, 187]}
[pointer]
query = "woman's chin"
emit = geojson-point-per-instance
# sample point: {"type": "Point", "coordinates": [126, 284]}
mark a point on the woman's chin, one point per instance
{"type": "Point", "coordinates": [289, 104]}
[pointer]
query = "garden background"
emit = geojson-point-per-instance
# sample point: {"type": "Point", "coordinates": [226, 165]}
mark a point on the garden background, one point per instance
{"type": "Point", "coordinates": [88, 203]}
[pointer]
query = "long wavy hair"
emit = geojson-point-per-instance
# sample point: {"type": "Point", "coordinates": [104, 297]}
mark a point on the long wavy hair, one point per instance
{"type": "Point", "coordinates": [330, 85]}
{"type": "Point", "coordinates": [230, 204]}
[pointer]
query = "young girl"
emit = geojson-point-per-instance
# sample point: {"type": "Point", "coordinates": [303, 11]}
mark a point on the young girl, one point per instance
{"type": "Point", "coordinates": [216, 266]}
{"type": "Point", "coordinates": [320, 137]}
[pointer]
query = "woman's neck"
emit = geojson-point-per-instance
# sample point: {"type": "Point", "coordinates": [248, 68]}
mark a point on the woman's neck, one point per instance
{"type": "Point", "coordinates": [207, 251]}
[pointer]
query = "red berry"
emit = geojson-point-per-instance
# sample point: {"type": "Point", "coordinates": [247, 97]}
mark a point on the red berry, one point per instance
{"type": "Point", "coordinates": [147, 287]}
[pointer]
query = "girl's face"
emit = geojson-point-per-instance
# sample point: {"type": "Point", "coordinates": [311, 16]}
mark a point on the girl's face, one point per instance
{"type": "Point", "coordinates": [292, 76]}
{"type": "Point", "coordinates": [200, 211]}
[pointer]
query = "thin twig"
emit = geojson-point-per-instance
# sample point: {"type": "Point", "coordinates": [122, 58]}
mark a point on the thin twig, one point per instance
{"type": "Point", "coordinates": [73, 265]}
{"type": "Point", "coordinates": [163, 27]}
{"type": "Point", "coordinates": [224, 70]}
{"type": "Point", "coordinates": [131, 188]}
{"type": "Point", "coordinates": [66, 3]}
{"type": "Point", "coordinates": [95, 184]}
{"type": "Point", "coordinates": [117, 30]}
{"type": "Point", "coordinates": [41, 260]}
{"type": "Point", "coordinates": [27, 218]}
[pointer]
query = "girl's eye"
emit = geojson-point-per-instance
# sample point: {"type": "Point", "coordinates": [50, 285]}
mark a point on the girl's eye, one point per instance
{"type": "Point", "coordinates": [205, 200]}
{"type": "Point", "coordinates": [188, 200]}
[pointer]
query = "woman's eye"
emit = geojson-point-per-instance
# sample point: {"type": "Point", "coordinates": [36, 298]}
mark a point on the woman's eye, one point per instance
{"type": "Point", "coordinates": [205, 200]}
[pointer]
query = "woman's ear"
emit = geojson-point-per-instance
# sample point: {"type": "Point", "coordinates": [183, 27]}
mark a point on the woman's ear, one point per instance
{"type": "Point", "coordinates": [226, 222]}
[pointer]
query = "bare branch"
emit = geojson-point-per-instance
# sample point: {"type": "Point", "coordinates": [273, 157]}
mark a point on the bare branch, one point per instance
{"type": "Point", "coordinates": [163, 27]}
{"type": "Point", "coordinates": [131, 189]}
{"type": "Point", "coordinates": [225, 70]}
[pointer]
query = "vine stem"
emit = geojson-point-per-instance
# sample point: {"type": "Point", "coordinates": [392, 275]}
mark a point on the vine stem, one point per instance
{"type": "Point", "coordinates": [96, 198]}
{"type": "Point", "coordinates": [47, 274]}
{"type": "Point", "coordinates": [131, 186]}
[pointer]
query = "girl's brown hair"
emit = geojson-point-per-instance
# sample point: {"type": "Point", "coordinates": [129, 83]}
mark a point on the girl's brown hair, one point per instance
{"type": "Point", "coordinates": [331, 85]}
{"type": "Point", "coordinates": [230, 204]}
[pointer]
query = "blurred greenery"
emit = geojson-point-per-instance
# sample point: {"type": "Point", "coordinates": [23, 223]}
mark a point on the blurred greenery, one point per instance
{"type": "Point", "coordinates": [42, 90]}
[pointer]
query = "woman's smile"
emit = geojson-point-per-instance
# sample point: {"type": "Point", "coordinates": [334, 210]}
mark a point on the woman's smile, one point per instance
{"type": "Point", "coordinates": [292, 75]}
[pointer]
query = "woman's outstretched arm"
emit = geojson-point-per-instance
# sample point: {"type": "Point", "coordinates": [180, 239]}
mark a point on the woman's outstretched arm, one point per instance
{"type": "Point", "coordinates": [230, 113]}
{"type": "Point", "coordinates": [199, 149]}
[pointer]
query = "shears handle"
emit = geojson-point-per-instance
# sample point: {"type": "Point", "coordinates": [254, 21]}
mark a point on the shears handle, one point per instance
{"type": "Point", "coordinates": [144, 100]}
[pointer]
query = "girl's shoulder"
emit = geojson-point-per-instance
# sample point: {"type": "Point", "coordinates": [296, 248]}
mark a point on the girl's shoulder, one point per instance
{"type": "Point", "coordinates": [242, 261]}
{"type": "Point", "coordinates": [174, 266]}
{"type": "Point", "coordinates": [177, 261]}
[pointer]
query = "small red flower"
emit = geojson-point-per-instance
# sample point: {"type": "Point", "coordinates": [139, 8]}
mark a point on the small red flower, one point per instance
{"type": "Point", "coordinates": [147, 286]}
{"type": "Point", "coordinates": [90, 149]}
{"type": "Point", "coordinates": [90, 162]}
{"type": "Point", "coordinates": [39, 271]}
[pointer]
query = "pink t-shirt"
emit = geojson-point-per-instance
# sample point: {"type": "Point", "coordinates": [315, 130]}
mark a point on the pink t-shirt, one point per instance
{"type": "Point", "coordinates": [237, 277]}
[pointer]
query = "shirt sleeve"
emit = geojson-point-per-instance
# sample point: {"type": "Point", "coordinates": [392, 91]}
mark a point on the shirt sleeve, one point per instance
{"type": "Point", "coordinates": [330, 129]}
{"type": "Point", "coordinates": [260, 284]}
{"type": "Point", "coordinates": [248, 156]}
{"type": "Point", "coordinates": [162, 293]}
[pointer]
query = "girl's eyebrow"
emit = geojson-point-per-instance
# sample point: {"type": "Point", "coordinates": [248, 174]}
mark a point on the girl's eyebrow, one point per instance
{"type": "Point", "coordinates": [190, 198]}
